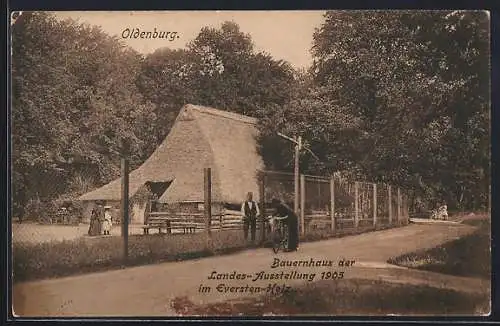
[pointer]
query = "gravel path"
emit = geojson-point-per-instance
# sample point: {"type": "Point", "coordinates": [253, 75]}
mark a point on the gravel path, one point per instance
{"type": "Point", "coordinates": [148, 290]}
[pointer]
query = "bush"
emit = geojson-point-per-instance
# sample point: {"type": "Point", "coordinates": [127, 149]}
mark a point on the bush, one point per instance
{"type": "Point", "coordinates": [43, 211]}
{"type": "Point", "coordinates": [37, 210]}
{"type": "Point", "coordinates": [345, 297]}
{"type": "Point", "coordinates": [467, 256]}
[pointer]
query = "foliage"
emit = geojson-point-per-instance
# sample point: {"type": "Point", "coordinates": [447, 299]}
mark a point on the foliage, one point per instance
{"type": "Point", "coordinates": [399, 97]}
{"type": "Point", "coordinates": [38, 210]}
{"type": "Point", "coordinates": [467, 256]}
{"type": "Point", "coordinates": [164, 81]}
{"type": "Point", "coordinates": [392, 96]}
{"type": "Point", "coordinates": [73, 99]}
{"type": "Point", "coordinates": [347, 297]}
{"type": "Point", "coordinates": [221, 69]}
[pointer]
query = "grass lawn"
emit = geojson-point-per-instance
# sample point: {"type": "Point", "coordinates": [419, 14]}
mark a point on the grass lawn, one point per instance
{"type": "Point", "coordinates": [467, 256]}
{"type": "Point", "coordinates": [347, 297]}
{"type": "Point", "coordinates": [50, 259]}
{"type": "Point", "coordinates": [87, 255]}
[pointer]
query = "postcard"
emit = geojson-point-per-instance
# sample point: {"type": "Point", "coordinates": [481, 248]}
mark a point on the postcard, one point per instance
{"type": "Point", "coordinates": [250, 163]}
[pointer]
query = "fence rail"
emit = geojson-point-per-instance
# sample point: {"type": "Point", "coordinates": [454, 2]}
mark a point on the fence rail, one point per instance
{"type": "Point", "coordinates": [221, 221]}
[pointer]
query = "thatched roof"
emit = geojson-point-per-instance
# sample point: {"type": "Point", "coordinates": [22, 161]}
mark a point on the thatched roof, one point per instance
{"type": "Point", "coordinates": [200, 137]}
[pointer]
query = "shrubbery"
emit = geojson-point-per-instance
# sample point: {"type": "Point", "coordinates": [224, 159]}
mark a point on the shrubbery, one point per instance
{"type": "Point", "coordinates": [466, 256]}
{"type": "Point", "coordinates": [37, 210]}
{"type": "Point", "coordinates": [345, 297]}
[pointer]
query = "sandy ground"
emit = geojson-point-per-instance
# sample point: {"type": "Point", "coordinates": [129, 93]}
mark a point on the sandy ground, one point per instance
{"type": "Point", "coordinates": [30, 233]}
{"type": "Point", "coordinates": [149, 290]}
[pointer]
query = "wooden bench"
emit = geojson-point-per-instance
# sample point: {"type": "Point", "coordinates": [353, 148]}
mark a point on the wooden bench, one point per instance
{"type": "Point", "coordinates": [172, 222]}
{"type": "Point", "coordinates": [187, 226]}
{"type": "Point", "coordinates": [63, 218]}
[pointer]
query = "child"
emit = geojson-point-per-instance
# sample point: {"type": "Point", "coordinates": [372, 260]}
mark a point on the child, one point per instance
{"type": "Point", "coordinates": [106, 226]}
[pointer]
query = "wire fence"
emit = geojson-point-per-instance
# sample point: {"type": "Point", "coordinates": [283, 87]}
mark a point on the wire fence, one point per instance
{"type": "Point", "coordinates": [334, 203]}
{"type": "Point", "coordinates": [277, 185]}
{"type": "Point", "coordinates": [324, 204]}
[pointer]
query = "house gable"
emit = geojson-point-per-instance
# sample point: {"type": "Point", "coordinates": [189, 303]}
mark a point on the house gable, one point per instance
{"type": "Point", "coordinates": [200, 138]}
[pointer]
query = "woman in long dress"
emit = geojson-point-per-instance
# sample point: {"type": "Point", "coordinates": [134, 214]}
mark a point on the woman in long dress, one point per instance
{"type": "Point", "coordinates": [100, 219]}
{"type": "Point", "coordinates": [282, 210]}
{"type": "Point", "coordinates": [94, 221]}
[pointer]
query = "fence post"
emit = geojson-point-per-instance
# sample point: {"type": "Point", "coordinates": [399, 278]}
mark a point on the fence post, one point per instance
{"type": "Point", "coordinates": [489, 200]}
{"type": "Point", "coordinates": [390, 203]}
{"type": "Point", "coordinates": [407, 207]}
{"type": "Point", "coordinates": [332, 203]}
{"type": "Point", "coordinates": [399, 206]}
{"type": "Point", "coordinates": [296, 173]}
{"type": "Point", "coordinates": [208, 199]}
{"type": "Point", "coordinates": [375, 204]}
{"type": "Point", "coordinates": [356, 203]}
{"type": "Point", "coordinates": [262, 199]}
{"type": "Point", "coordinates": [125, 194]}
{"type": "Point", "coordinates": [404, 205]}
{"type": "Point", "coordinates": [302, 203]}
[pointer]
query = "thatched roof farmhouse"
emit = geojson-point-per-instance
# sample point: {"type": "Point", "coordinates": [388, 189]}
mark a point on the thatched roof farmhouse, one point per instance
{"type": "Point", "coordinates": [200, 137]}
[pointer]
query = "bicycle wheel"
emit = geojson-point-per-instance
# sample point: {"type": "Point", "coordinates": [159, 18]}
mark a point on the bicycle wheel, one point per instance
{"type": "Point", "coordinates": [284, 240]}
{"type": "Point", "coordinates": [276, 242]}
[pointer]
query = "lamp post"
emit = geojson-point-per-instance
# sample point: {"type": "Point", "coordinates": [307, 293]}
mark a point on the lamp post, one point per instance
{"type": "Point", "coordinates": [299, 146]}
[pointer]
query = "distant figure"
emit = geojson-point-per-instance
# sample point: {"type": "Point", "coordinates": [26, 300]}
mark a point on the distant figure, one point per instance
{"type": "Point", "coordinates": [94, 223]}
{"type": "Point", "coordinates": [100, 218]}
{"type": "Point", "coordinates": [441, 213]}
{"type": "Point", "coordinates": [250, 211]}
{"type": "Point", "coordinates": [107, 223]}
{"type": "Point", "coordinates": [444, 211]}
{"type": "Point", "coordinates": [282, 210]}
{"type": "Point", "coordinates": [154, 203]}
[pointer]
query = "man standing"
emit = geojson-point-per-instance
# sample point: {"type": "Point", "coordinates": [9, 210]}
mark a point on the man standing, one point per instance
{"type": "Point", "coordinates": [249, 211]}
{"type": "Point", "coordinates": [283, 210]}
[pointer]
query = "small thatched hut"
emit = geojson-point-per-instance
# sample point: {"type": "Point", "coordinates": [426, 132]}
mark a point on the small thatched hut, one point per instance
{"type": "Point", "coordinates": [201, 137]}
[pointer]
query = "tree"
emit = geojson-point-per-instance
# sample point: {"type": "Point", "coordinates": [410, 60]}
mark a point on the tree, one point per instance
{"type": "Point", "coordinates": [233, 77]}
{"type": "Point", "coordinates": [165, 80]}
{"type": "Point", "coordinates": [219, 68]}
{"type": "Point", "coordinates": [74, 98]}
{"type": "Point", "coordinates": [416, 86]}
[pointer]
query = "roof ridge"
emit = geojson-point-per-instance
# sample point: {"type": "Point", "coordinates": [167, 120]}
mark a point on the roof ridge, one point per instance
{"type": "Point", "coordinates": [215, 173]}
{"type": "Point", "coordinates": [225, 114]}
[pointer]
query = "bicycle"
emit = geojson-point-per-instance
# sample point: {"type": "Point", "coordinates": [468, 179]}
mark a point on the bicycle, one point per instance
{"type": "Point", "coordinates": [279, 233]}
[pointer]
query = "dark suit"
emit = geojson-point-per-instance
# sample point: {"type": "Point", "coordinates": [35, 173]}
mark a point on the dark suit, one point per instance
{"type": "Point", "coordinates": [250, 219]}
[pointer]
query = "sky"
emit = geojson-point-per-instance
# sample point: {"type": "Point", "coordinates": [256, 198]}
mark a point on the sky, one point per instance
{"type": "Point", "coordinates": [285, 35]}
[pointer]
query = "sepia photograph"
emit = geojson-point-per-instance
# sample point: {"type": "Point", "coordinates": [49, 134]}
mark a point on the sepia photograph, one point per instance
{"type": "Point", "coordinates": [250, 163]}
